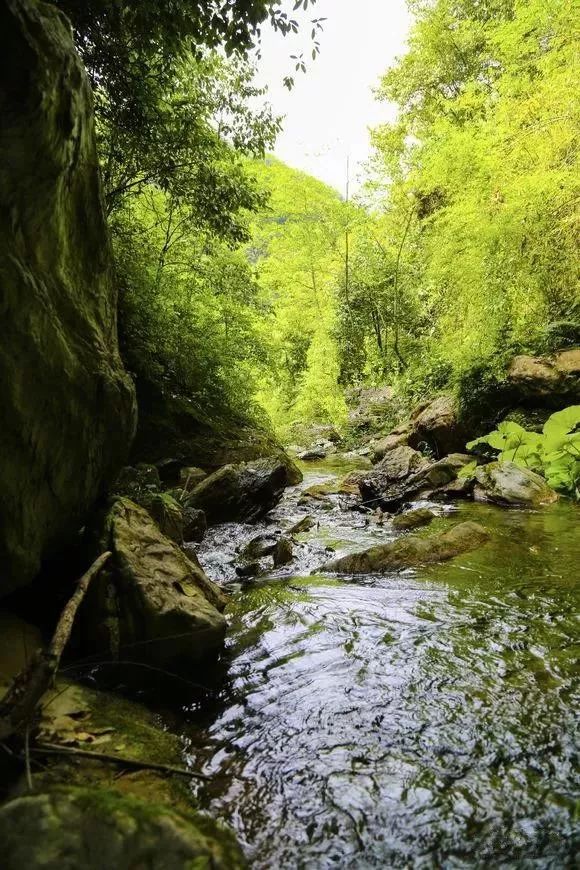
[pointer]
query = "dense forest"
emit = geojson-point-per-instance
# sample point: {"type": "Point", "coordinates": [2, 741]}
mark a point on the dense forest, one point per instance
{"type": "Point", "coordinates": [314, 453]}
{"type": "Point", "coordinates": [459, 253]}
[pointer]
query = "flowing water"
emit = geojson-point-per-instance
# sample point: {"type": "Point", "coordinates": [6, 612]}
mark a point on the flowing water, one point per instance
{"type": "Point", "coordinates": [419, 719]}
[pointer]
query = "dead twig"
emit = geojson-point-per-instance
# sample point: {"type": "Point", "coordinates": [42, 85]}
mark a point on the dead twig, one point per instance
{"type": "Point", "coordinates": [18, 706]}
{"type": "Point", "coordinates": [55, 749]}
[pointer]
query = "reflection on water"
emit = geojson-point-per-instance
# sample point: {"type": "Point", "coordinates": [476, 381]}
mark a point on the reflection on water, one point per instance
{"type": "Point", "coordinates": [413, 720]}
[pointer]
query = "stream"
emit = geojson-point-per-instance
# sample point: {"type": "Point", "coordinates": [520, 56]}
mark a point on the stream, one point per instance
{"type": "Point", "coordinates": [420, 719]}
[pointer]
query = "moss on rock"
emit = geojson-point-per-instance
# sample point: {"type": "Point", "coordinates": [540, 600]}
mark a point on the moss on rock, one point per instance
{"type": "Point", "coordinates": [68, 406]}
{"type": "Point", "coordinates": [70, 828]}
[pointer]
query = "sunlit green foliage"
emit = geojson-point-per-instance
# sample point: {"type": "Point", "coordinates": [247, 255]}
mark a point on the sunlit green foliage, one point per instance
{"type": "Point", "coordinates": [485, 155]}
{"type": "Point", "coordinates": [298, 250]}
{"type": "Point", "coordinates": [554, 453]}
{"type": "Point", "coordinates": [188, 307]}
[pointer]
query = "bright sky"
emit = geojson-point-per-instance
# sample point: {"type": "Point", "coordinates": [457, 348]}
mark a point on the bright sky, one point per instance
{"type": "Point", "coordinates": [331, 107]}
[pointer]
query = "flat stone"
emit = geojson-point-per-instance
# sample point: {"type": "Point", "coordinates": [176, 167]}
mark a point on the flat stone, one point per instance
{"type": "Point", "coordinates": [412, 551]}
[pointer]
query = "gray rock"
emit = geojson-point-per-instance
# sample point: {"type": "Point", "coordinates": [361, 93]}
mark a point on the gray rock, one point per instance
{"type": "Point", "coordinates": [433, 478]}
{"type": "Point", "coordinates": [436, 424]}
{"type": "Point", "coordinates": [68, 406]}
{"type": "Point", "coordinates": [505, 483]}
{"type": "Point", "coordinates": [397, 438]}
{"type": "Point", "coordinates": [240, 493]}
{"type": "Point", "coordinates": [397, 465]}
{"type": "Point", "coordinates": [312, 454]}
{"type": "Point", "coordinates": [412, 551]}
{"type": "Point", "coordinates": [259, 547]}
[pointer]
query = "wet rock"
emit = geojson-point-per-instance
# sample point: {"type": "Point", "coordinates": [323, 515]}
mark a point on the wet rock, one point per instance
{"type": "Point", "coordinates": [190, 476]}
{"type": "Point", "coordinates": [413, 519]}
{"type": "Point", "coordinates": [259, 547]}
{"type": "Point", "coordinates": [97, 828]}
{"type": "Point", "coordinates": [194, 525]}
{"type": "Point", "coordinates": [249, 569]}
{"type": "Point", "coordinates": [460, 488]}
{"type": "Point", "coordinates": [505, 483]}
{"type": "Point", "coordinates": [397, 465]}
{"type": "Point", "coordinates": [240, 493]}
{"type": "Point", "coordinates": [151, 603]}
{"type": "Point", "coordinates": [312, 454]}
{"type": "Point", "coordinates": [318, 495]}
{"type": "Point", "coordinates": [435, 477]}
{"type": "Point", "coordinates": [168, 515]}
{"type": "Point", "coordinates": [412, 551]}
{"type": "Point", "coordinates": [303, 525]}
{"type": "Point", "coordinates": [283, 552]}
{"type": "Point", "coordinates": [68, 406]}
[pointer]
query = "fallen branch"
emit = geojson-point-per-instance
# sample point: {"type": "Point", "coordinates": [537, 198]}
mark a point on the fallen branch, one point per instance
{"type": "Point", "coordinates": [18, 706]}
{"type": "Point", "coordinates": [55, 749]}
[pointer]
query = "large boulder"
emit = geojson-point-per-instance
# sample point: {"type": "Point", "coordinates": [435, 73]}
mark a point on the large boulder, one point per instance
{"type": "Point", "coordinates": [546, 381]}
{"type": "Point", "coordinates": [241, 493]}
{"type": "Point", "coordinates": [151, 603]}
{"type": "Point", "coordinates": [437, 426]}
{"type": "Point", "coordinates": [398, 464]}
{"type": "Point", "coordinates": [430, 480]}
{"type": "Point", "coordinates": [68, 406]}
{"type": "Point", "coordinates": [92, 828]}
{"type": "Point", "coordinates": [412, 551]}
{"type": "Point", "coordinates": [505, 483]}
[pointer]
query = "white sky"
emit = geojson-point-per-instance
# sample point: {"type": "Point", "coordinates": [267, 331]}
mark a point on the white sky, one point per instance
{"type": "Point", "coordinates": [331, 107]}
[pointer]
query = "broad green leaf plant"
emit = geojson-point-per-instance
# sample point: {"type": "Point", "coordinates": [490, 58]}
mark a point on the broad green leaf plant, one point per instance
{"type": "Point", "coordinates": [553, 453]}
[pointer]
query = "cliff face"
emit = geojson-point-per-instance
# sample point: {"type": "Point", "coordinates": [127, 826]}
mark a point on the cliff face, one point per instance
{"type": "Point", "coordinates": [67, 405]}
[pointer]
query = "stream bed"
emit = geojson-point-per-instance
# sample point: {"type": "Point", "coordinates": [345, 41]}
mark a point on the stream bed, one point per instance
{"type": "Point", "coordinates": [420, 719]}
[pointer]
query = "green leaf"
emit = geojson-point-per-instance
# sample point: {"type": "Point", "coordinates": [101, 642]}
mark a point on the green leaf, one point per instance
{"type": "Point", "coordinates": [562, 422]}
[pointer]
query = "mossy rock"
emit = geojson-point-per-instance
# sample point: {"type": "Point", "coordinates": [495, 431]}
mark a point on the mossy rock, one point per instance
{"type": "Point", "coordinates": [168, 514]}
{"type": "Point", "coordinates": [68, 405]}
{"type": "Point", "coordinates": [70, 828]}
{"type": "Point", "coordinates": [412, 551]}
{"type": "Point", "coordinates": [152, 602]}
{"type": "Point", "coordinates": [413, 519]}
